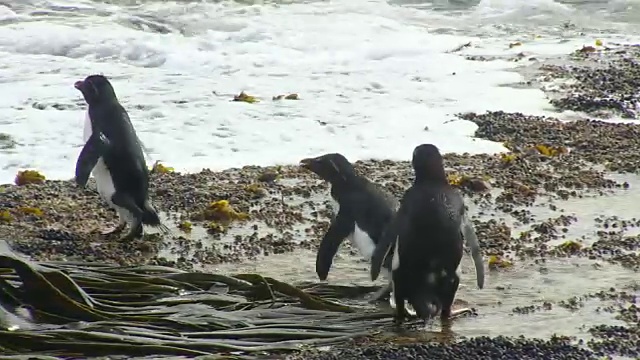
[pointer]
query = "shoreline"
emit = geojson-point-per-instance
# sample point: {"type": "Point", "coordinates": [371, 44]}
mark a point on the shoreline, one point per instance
{"type": "Point", "coordinates": [523, 203]}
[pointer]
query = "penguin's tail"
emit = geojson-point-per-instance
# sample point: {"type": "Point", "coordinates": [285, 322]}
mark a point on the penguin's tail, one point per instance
{"type": "Point", "coordinates": [150, 217]}
{"type": "Point", "coordinates": [424, 304]}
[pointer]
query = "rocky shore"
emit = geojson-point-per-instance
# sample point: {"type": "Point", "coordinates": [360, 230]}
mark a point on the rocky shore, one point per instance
{"type": "Point", "coordinates": [242, 214]}
{"type": "Point", "coordinates": [252, 211]}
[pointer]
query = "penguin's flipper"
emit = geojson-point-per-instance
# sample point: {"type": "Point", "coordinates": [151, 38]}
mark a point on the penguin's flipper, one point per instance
{"type": "Point", "coordinates": [341, 226]}
{"type": "Point", "coordinates": [384, 247]}
{"type": "Point", "coordinates": [89, 156]}
{"type": "Point", "coordinates": [469, 235]}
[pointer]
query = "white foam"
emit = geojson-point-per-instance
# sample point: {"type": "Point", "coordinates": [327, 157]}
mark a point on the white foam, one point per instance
{"type": "Point", "coordinates": [371, 76]}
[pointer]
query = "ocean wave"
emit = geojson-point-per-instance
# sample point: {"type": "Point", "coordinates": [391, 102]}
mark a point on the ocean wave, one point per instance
{"type": "Point", "coordinates": [372, 76]}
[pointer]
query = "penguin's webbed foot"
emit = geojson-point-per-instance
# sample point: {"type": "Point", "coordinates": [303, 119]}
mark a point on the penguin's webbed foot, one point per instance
{"type": "Point", "coordinates": [164, 229]}
{"type": "Point", "coordinates": [460, 312]}
{"type": "Point", "coordinates": [135, 232]}
{"type": "Point", "coordinates": [115, 230]}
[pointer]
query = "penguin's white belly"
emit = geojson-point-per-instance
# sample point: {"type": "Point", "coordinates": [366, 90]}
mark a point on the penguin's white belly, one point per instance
{"type": "Point", "coordinates": [335, 207]}
{"type": "Point", "coordinates": [100, 172]}
{"type": "Point", "coordinates": [358, 238]}
{"type": "Point", "coordinates": [395, 260]}
{"type": "Point", "coordinates": [362, 242]}
{"type": "Point", "coordinates": [86, 133]}
{"type": "Point", "coordinates": [104, 182]}
{"type": "Point", "coordinates": [395, 264]}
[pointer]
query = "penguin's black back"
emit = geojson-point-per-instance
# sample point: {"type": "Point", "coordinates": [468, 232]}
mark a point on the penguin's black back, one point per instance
{"type": "Point", "coordinates": [124, 157]}
{"type": "Point", "coordinates": [370, 206]}
{"type": "Point", "coordinates": [429, 235]}
{"type": "Point", "coordinates": [430, 245]}
{"type": "Point", "coordinates": [362, 203]}
{"type": "Point", "coordinates": [432, 212]}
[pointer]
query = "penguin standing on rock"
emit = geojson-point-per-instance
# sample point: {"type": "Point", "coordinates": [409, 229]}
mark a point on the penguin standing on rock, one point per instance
{"type": "Point", "coordinates": [113, 153]}
{"type": "Point", "coordinates": [363, 210]}
{"type": "Point", "coordinates": [426, 237]}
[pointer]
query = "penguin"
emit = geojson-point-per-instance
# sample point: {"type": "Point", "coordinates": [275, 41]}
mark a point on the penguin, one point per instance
{"type": "Point", "coordinates": [426, 239]}
{"type": "Point", "coordinates": [113, 153]}
{"type": "Point", "coordinates": [362, 210]}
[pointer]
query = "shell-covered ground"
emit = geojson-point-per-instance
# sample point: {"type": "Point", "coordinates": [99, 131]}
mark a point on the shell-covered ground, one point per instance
{"type": "Point", "coordinates": [562, 202]}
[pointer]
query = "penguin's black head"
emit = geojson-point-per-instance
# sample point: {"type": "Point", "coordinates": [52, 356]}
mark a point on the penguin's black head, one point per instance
{"type": "Point", "coordinates": [96, 89]}
{"type": "Point", "coordinates": [334, 167]}
{"type": "Point", "coordinates": [428, 164]}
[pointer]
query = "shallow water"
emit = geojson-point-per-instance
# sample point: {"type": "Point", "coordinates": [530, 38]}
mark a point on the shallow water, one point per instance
{"type": "Point", "coordinates": [527, 283]}
{"type": "Point", "coordinates": [371, 74]}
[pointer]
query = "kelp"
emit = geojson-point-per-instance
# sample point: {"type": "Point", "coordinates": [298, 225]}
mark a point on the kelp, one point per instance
{"type": "Point", "coordinates": [86, 309]}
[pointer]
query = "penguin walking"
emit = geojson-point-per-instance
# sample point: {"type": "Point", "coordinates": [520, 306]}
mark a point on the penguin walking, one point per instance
{"type": "Point", "coordinates": [426, 238]}
{"type": "Point", "coordinates": [113, 153]}
{"type": "Point", "coordinates": [363, 209]}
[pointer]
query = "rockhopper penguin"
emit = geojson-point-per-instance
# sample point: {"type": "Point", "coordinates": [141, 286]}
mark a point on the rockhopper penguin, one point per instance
{"type": "Point", "coordinates": [113, 153]}
{"type": "Point", "coordinates": [426, 238]}
{"type": "Point", "coordinates": [362, 211]}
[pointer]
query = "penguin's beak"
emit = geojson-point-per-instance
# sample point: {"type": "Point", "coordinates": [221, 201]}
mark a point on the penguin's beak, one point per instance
{"type": "Point", "coordinates": [79, 85]}
{"type": "Point", "coordinates": [306, 163]}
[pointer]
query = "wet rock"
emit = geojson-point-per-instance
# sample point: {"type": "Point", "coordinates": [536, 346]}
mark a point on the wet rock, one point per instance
{"type": "Point", "coordinates": [268, 176]}
{"type": "Point", "coordinates": [7, 142]}
{"type": "Point", "coordinates": [55, 234]}
{"type": "Point", "coordinates": [57, 106]}
{"type": "Point", "coordinates": [475, 184]}
{"type": "Point", "coordinates": [616, 340]}
{"type": "Point", "coordinates": [603, 82]}
{"type": "Point", "coordinates": [549, 159]}
{"type": "Point", "coordinates": [480, 348]}
{"type": "Point", "coordinates": [586, 142]}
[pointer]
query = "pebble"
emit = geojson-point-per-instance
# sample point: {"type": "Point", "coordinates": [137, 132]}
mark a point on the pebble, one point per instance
{"type": "Point", "coordinates": [479, 348]}
{"type": "Point", "coordinates": [604, 81]}
{"type": "Point", "coordinates": [616, 340]}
